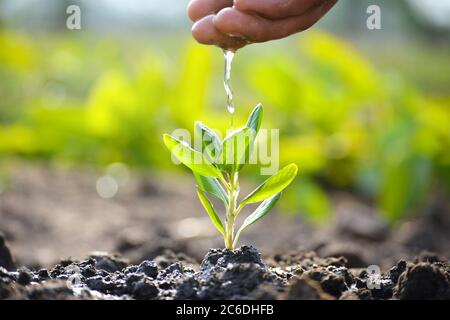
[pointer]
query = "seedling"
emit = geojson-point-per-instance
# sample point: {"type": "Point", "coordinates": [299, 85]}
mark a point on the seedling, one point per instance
{"type": "Point", "coordinates": [216, 169]}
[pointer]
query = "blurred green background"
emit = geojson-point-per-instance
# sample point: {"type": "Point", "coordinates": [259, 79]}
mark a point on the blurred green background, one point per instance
{"type": "Point", "coordinates": [358, 110]}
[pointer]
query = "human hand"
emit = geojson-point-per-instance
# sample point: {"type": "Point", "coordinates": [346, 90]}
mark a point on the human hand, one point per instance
{"type": "Point", "coordinates": [233, 24]}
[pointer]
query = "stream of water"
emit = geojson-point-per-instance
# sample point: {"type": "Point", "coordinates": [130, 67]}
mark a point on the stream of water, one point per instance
{"type": "Point", "coordinates": [229, 55]}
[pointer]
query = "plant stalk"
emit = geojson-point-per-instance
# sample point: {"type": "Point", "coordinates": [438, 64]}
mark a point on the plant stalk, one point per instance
{"type": "Point", "coordinates": [231, 211]}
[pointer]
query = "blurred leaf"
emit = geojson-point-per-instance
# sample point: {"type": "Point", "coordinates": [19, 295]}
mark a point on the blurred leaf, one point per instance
{"type": "Point", "coordinates": [189, 95]}
{"type": "Point", "coordinates": [402, 187]}
{"type": "Point", "coordinates": [308, 198]}
{"type": "Point", "coordinates": [349, 121]}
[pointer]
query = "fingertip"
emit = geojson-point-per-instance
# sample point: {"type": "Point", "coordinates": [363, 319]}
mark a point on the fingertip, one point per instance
{"type": "Point", "coordinates": [197, 9]}
{"type": "Point", "coordinates": [190, 10]}
{"type": "Point", "coordinates": [203, 30]}
{"type": "Point", "coordinates": [236, 23]}
{"type": "Point", "coordinates": [222, 14]}
{"type": "Point", "coordinates": [225, 21]}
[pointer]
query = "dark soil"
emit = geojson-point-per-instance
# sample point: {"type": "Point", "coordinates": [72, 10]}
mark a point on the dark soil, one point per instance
{"type": "Point", "coordinates": [224, 274]}
{"type": "Point", "coordinates": [161, 236]}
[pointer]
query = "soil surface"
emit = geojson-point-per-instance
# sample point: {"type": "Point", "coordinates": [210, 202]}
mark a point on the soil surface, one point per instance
{"type": "Point", "coordinates": [161, 241]}
{"type": "Point", "coordinates": [224, 274]}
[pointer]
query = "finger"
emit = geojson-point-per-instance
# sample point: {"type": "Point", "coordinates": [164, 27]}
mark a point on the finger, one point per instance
{"type": "Point", "coordinates": [276, 9]}
{"type": "Point", "coordinates": [205, 32]}
{"type": "Point", "coordinates": [255, 28]}
{"type": "Point", "coordinates": [198, 9]}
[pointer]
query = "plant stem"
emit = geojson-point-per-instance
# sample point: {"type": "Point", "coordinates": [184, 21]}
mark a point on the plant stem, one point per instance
{"type": "Point", "coordinates": [231, 211]}
{"type": "Point", "coordinates": [224, 182]}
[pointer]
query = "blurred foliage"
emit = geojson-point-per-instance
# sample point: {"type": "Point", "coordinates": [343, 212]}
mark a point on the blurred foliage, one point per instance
{"type": "Point", "coordinates": [84, 100]}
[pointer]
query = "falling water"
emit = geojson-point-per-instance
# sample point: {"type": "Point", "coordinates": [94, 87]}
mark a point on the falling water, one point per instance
{"type": "Point", "coordinates": [229, 55]}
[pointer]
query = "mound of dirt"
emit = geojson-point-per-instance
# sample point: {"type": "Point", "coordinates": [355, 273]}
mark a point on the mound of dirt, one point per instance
{"type": "Point", "coordinates": [224, 274]}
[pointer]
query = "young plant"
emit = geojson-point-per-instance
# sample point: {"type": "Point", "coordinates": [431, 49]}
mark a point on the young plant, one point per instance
{"type": "Point", "coordinates": [216, 169]}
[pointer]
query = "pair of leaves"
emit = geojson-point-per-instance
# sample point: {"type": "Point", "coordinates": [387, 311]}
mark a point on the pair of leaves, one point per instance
{"type": "Point", "coordinates": [269, 191]}
{"type": "Point", "coordinates": [236, 149]}
{"type": "Point", "coordinates": [231, 154]}
{"type": "Point", "coordinates": [238, 146]}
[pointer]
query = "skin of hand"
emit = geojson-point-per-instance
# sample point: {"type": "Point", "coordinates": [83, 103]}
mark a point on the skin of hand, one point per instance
{"type": "Point", "coordinates": [233, 24]}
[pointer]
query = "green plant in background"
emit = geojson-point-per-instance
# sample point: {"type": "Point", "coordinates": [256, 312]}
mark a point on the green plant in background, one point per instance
{"type": "Point", "coordinates": [352, 126]}
{"type": "Point", "coordinates": [216, 169]}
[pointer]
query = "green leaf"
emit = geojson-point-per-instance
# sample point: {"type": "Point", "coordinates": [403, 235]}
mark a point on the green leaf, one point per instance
{"type": "Point", "coordinates": [211, 186]}
{"type": "Point", "coordinates": [210, 141]}
{"type": "Point", "coordinates": [192, 159]}
{"type": "Point", "coordinates": [262, 210]}
{"type": "Point", "coordinates": [236, 149]}
{"type": "Point", "coordinates": [273, 185]}
{"type": "Point", "coordinates": [211, 211]}
{"type": "Point", "coordinates": [255, 119]}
